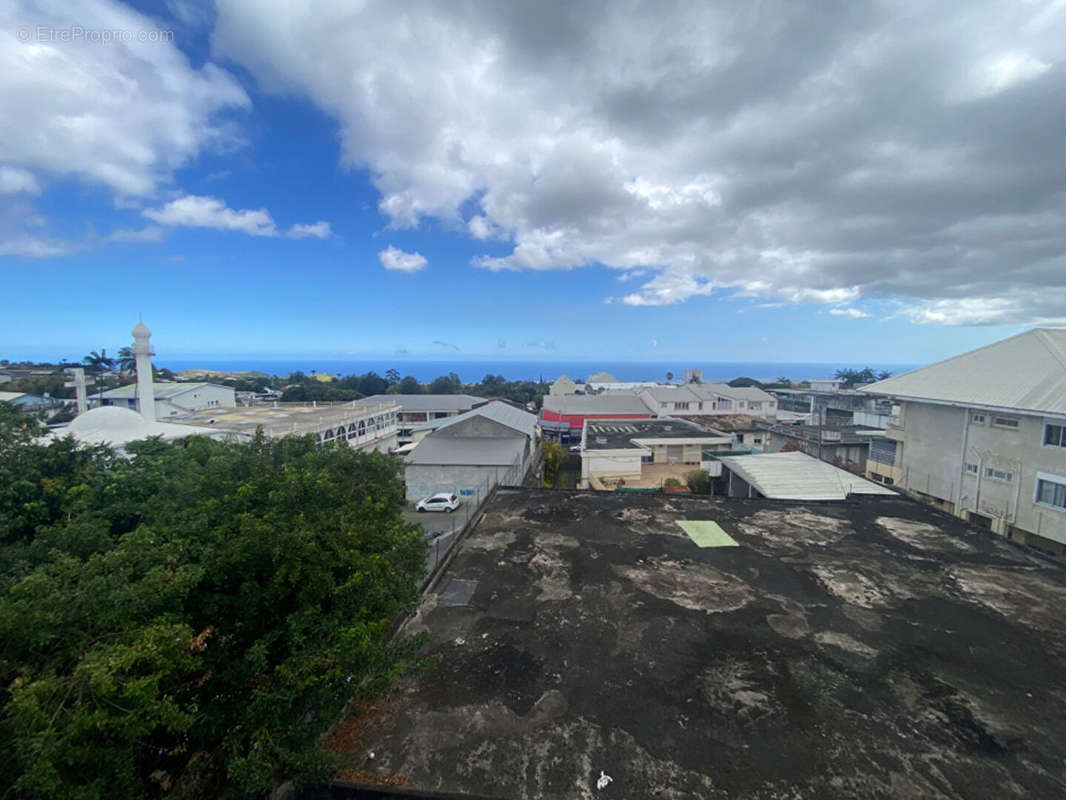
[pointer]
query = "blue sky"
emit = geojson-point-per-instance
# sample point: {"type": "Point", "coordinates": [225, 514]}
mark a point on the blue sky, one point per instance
{"type": "Point", "coordinates": [447, 181]}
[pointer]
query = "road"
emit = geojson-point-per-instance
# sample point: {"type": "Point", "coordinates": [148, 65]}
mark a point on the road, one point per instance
{"type": "Point", "coordinates": [440, 528]}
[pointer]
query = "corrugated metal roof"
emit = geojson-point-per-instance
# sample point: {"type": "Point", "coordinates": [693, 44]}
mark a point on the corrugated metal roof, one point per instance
{"type": "Point", "coordinates": [672, 394]}
{"type": "Point", "coordinates": [478, 451]}
{"type": "Point", "coordinates": [1026, 372]}
{"type": "Point", "coordinates": [620, 403]}
{"type": "Point", "coordinates": [516, 419]}
{"type": "Point", "coordinates": [161, 390]}
{"type": "Point", "coordinates": [705, 390]}
{"type": "Point", "coordinates": [798, 476]}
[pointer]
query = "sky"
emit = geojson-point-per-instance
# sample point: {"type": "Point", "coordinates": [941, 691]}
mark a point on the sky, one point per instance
{"type": "Point", "coordinates": [779, 181]}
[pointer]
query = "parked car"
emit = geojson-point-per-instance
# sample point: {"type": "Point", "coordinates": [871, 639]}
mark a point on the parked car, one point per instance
{"type": "Point", "coordinates": [438, 502]}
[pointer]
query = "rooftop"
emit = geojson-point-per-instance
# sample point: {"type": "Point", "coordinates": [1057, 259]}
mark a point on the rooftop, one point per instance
{"type": "Point", "coordinates": [479, 451]}
{"type": "Point", "coordinates": [875, 648]}
{"type": "Point", "coordinates": [623, 434]}
{"type": "Point", "coordinates": [1034, 361]}
{"type": "Point", "coordinates": [609, 403]}
{"type": "Point", "coordinates": [798, 476]}
{"type": "Point", "coordinates": [426, 402]}
{"type": "Point", "coordinates": [498, 411]}
{"type": "Point", "coordinates": [280, 419]}
{"type": "Point", "coordinates": [160, 390]}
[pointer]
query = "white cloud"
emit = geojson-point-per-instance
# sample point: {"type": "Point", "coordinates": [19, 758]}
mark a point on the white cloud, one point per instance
{"type": "Point", "coordinates": [150, 233]}
{"type": "Point", "coordinates": [395, 259]}
{"type": "Point", "coordinates": [709, 154]}
{"type": "Point", "coordinates": [27, 246]}
{"type": "Point", "coordinates": [196, 211]}
{"type": "Point", "coordinates": [318, 230]}
{"type": "Point", "coordinates": [123, 115]}
{"type": "Point", "coordinates": [850, 313]}
{"type": "Point", "coordinates": [14, 180]}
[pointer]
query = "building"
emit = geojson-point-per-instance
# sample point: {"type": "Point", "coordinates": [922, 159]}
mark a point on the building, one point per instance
{"type": "Point", "coordinates": [418, 408]}
{"type": "Point", "coordinates": [360, 425]}
{"type": "Point", "coordinates": [825, 384]}
{"type": "Point", "coordinates": [562, 385]}
{"type": "Point", "coordinates": [709, 399]}
{"type": "Point", "coordinates": [621, 449]}
{"type": "Point", "coordinates": [563, 417]}
{"type": "Point", "coordinates": [835, 407]}
{"type": "Point", "coordinates": [748, 432]}
{"type": "Point", "coordinates": [846, 446]}
{"type": "Point", "coordinates": [696, 647]}
{"type": "Point", "coordinates": [472, 453]}
{"type": "Point", "coordinates": [117, 427]}
{"type": "Point", "coordinates": [981, 435]}
{"type": "Point", "coordinates": [29, 402]}
{"type": "Point", "coordinates": [171, 399]}
{"type": "Point", "coordinates": [790, 476]}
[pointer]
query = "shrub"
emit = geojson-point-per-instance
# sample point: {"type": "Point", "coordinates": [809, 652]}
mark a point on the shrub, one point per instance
{"type": "Point", "coordinates": [699, 481]}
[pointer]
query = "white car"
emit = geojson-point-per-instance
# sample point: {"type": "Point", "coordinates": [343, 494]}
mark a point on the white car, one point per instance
{"type": "Point", "coordinates": [438, 502]}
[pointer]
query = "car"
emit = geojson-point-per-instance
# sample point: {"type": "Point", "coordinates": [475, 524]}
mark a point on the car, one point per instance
{"type": "Point", "coordinates": [441, 501]}
{"type": "Point", "coordinates": [575, 448]}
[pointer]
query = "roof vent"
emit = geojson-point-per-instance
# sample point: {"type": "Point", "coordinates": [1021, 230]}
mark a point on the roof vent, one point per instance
{"type": "Point", "coordinates": [601, 440]}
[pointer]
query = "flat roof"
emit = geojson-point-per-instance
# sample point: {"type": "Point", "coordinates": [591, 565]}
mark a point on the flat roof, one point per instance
{"type": "Point", "coordinates": [284, 418]}
{"type": "Point", "coordinates": [798, 476]}
{"type": "Point", "coordinates": [426, 402]}
{"type": "Point", "coordinates": [875, 648]}
{"type": "Point", "coordinates": [619, 434]}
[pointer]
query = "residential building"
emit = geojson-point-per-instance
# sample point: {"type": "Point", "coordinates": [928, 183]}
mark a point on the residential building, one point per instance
{"type": "Point", "coordinates": [825, 384]}
{"type": "Point", "coordinates": [846, 446]}
{"type": "Point", "coordinates": [563, 417]}
{"type": "Point", "coordinates": [562, 385]}
{"type": "Point", "coordinates": [983, 435]}
{"type": "Point", "coordinates": [171, 399]}
{"type": "Point", "coordinates": [709, 399]}
{"type": "Point", "coordinates": [418, 408]}
{"type": "Point", "coordinates": [470, 454]}
{"type": "Point", "coordinates": [29, 402]}
{"type": "Point", "coordinates": [748, 432]}
{"type": "Point", "coordinates": [622, 448]}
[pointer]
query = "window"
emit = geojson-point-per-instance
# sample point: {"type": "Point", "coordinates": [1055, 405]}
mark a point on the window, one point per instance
{"type": "Point", "coordinates": [977, 419]}
{"type": "Point", "coordinates": [998, 475]}
{"type": "Point", "coordinates": [1051, 492]}
{"type": "Point", "coordinates": [681, 406]}
{"type": "Point", "coordinates": [756, 440]}
{"type": "Point", "coordinates": [755, 405]}
{"type": "Point", "coordinates": [971, 468]}
{"type": "Point", "coordinates": [883, 451]}
{"type": "Point", "coordinates": [1005, 422]}
{"type": "Point", "coordinates": [1055, 435]}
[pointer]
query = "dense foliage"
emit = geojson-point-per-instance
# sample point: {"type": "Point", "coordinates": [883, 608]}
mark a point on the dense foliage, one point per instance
{"type": "Point", "coordinates": [698, 481]}
{"type": "Point", "coordinates": [189, 621]}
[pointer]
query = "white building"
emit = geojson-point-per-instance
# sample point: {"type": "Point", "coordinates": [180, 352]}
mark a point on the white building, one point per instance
{"type": "Point", "coordinates": [983, 435]}
{"type": "Point", "coordinates": [418, 408]}
{"type": "Point", "coordinates": [708, 399]}
{"type": "Point", "coordinates": [172, 399]}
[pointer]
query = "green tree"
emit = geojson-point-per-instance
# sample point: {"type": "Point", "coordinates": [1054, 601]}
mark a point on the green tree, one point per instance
{"type": "Point", "coordinates": [884, 375]}
{"type": "Point", "coordinates": [698, 481]}
{"type": "Point", "coordinates": [851, 377]}
{"type": "Point", "coordinates": [744, 381]}
{"type": "Point", "coordinates": [189, 620]}
{"type": "Point", "coordinates": [554, 456]}
{"type": "Point", "coordinates": [98, 364]}
{"type": "Point", "coordinates": [410, 386]}
{"type": "Point", "coordinates": [127, 361]}
{"type": "Point", "coordinates": [392, 376]}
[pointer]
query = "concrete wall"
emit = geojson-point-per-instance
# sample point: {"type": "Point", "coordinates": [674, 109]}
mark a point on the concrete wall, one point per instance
{"type": "Point", "coordinates": [196, 400]}
{"type": "Point", "coordinates": [611, 465]}
{"type": "Point", "coordinates": [933, 460]}
{"type": "Point", "coordinates": [469, 482]}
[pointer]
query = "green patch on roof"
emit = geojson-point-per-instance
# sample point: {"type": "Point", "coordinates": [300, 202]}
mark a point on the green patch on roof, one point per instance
{"type": "Point", "coordinates": [706, 533]}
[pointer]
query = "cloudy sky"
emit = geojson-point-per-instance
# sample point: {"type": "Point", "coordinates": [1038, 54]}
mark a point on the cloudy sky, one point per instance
{"type": "Point", "coordinates": [833, 181]}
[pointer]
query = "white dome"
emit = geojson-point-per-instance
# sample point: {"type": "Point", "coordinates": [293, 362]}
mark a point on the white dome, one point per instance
{"type": "Point", "coordinates": [107, 418]}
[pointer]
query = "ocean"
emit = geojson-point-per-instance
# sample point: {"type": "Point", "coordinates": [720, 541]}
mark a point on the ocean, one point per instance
{"type": "Point", "coordinates": [473, 371]}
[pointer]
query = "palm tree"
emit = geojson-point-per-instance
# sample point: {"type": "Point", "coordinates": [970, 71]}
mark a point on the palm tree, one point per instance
{"type": "Point", "coordinates": [98, 363]}
{"type": "Point", "coordinates": [127, 361]}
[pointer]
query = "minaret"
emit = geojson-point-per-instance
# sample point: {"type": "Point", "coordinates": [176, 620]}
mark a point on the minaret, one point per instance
{"type": "Point", "coordinates": [142, 349]}
{"type": "Point", "coordinates": [78, 384]}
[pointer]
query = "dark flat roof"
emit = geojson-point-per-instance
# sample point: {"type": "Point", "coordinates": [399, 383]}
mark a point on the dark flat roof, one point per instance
{"type": "Point", "coordinates": [868, 649]}
{"type": "Point", "coordinates": [618, 434]}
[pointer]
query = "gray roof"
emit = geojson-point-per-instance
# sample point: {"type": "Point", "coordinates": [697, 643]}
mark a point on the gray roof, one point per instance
{"type": "Point", "coordinates": [615, 403]}
{"type": "Point", "coordinates": [503, 413]}
{"type": "Point", "coordinates": [734, 392]}
{"type": "Point", "coordinates": [478, 451]}
{"type": "Point", "coordinates": [1026, 372]}
{"type": "Point", "coordinates": [162, 391]}
{"type": "Point", "coordinates": [621, 434]}
{"type": "Point", "coordinates": [427, 402]}
{"type": "Point", "coordinates": [671, 394]}
{"type": "Point", "coordinates": [797, 476]}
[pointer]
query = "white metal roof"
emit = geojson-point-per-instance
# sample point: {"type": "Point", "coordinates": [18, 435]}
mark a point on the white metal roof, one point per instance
{"type": "Point", "coordinates": [426, 402]}
{"type": "Point", "coordinates": [1026, 372]}
{"type": "Point", "coordinates": [161, 391]}
{"type": "Point", "coordinates": [478, 451]}
{"type": "Point", "coordinates": [119, 426]}
{"type": "Point", "coordinates": [798, 476]}
{"type": "Point", "coordinates": [620, 403]}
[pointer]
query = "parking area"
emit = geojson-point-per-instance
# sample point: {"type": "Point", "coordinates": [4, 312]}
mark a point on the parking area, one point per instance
{"type": "Point", "coordinates": [441, 529]}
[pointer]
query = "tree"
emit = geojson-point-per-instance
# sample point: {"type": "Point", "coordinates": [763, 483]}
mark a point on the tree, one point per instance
{"type": "Point", "coordinates": [410, 386]}
{"type": "Point", "coordinates": [392, 376]}
{"type": "Point", "coordinates": [744, 381]}
{"type": "Point", "coordinates": [698, 481]}
{"type": "Point", "coordinates": [445, 385]}
{"type": "Point", "coordinates": [554, 456]}
{"type": "Point", "coordinates": [669, 376]}
{"type": "Point", "coordinates": [884, 375]}
{"type": "Point", "coordinates": [127, 361]}
{"type": "Point", "coordinates": [851, 377]}
{"type": "Point", "coordinates": [98, 364]}
{"type": "Point", "coordinates": [188, 621]}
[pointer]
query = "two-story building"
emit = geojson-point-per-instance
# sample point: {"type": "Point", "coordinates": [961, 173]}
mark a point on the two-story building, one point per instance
{"type": "Point", "coordinates": [983, 435]}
